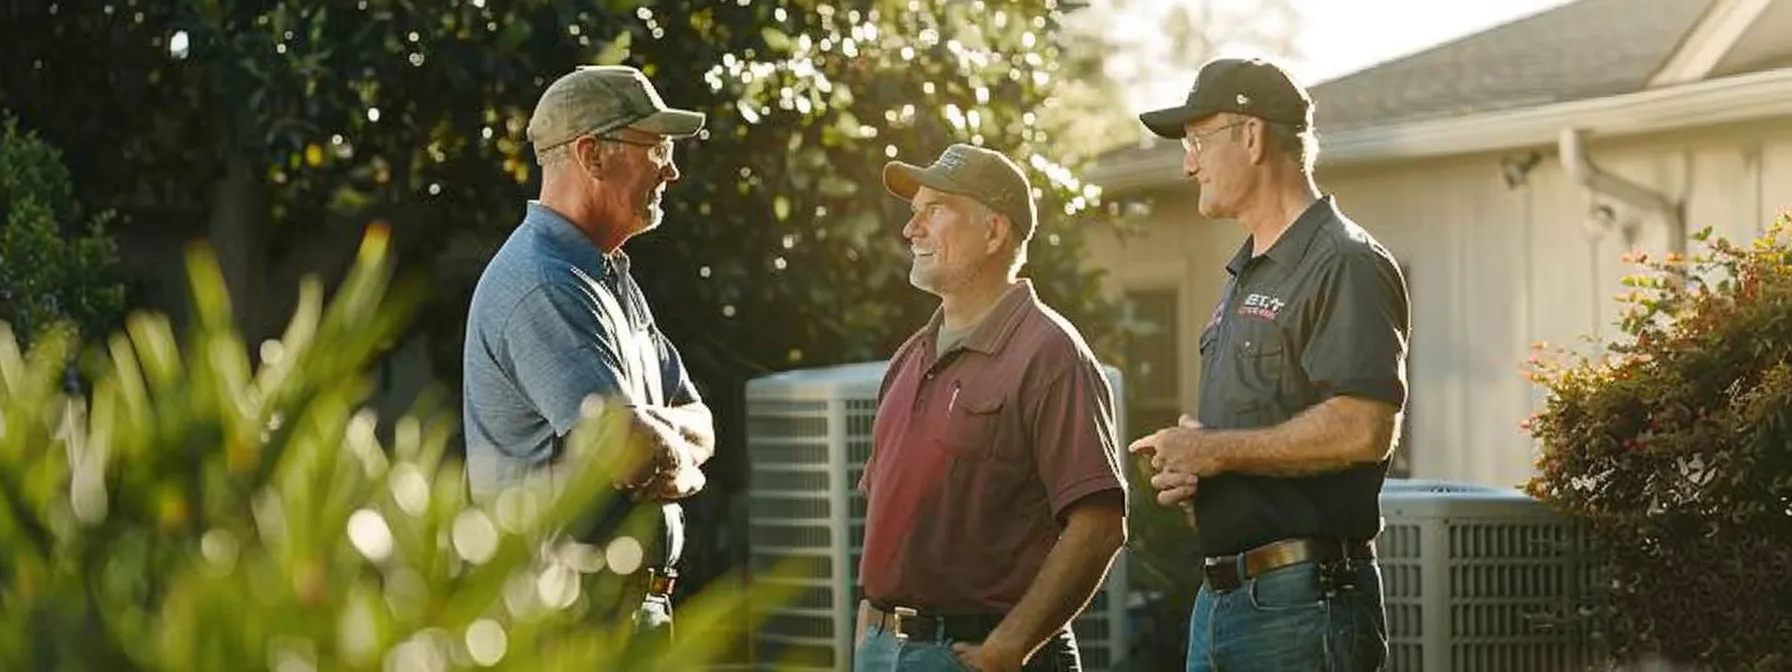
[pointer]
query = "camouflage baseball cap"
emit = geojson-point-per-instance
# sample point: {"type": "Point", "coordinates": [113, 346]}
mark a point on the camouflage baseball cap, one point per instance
{"type": "Point", "coordinates": [603, 98]}
{"type": "Point", "coordinates": [982, 174]}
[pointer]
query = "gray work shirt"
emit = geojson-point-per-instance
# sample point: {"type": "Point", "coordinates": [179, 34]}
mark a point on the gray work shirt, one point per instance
{"type": "Point", "coordinates": [1324, 312]}
{"type": "Point", "coordinates": [552, 321]}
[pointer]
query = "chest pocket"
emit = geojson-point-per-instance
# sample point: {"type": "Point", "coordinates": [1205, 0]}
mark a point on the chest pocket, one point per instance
{"type": "Point", "coordinates": [974, 426]}
{"type": "Point", "coordinates": [1260, 374]}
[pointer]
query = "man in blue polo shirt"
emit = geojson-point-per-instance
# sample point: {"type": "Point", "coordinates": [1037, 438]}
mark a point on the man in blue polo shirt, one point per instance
{"type": "Point", "coordinates": [556, 318]}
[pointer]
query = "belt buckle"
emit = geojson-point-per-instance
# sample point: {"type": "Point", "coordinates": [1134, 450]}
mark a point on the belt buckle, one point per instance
{"type": "Point", "coordinates": [660, 582]}
{"type": "Point", "coordinates": [896, 615]}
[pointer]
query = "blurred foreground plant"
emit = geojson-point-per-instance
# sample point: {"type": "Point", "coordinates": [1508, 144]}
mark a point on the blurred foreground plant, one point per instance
{"type": "Point", "coordinates": [199, 512]}
{"type": "Point", "coordinates": [1676, 449]}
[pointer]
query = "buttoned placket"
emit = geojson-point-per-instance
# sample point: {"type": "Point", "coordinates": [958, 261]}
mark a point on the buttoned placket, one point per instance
{"type": "Point", "coordinates": [924, 390]}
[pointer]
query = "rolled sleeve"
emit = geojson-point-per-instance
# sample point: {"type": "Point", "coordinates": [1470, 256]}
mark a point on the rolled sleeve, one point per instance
{"type": "Point", "coordinates": [1357, 346]}
{"type": "Point", "coordinates": [1074, 437]}
{"type": "Point", "coordinates": [561, 353]}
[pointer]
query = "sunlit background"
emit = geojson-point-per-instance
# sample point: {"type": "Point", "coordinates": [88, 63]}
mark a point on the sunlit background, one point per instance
{"type": "Point", "coordinates": [1512, 155]}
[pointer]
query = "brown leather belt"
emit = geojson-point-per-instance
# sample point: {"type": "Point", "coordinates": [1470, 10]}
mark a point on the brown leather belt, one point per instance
{"type": "Point", "coordinates": [914, 625]}
{"type": "Point", "coordinates": [1228, 572]}
{"type": "Point", "coordinates": [660, 582]}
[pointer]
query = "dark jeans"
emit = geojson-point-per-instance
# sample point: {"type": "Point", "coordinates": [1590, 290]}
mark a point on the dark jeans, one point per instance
{"type": "Point", "coordinates": [883, 652]}
{"type": "Point", "coordinates": [1282, 620]}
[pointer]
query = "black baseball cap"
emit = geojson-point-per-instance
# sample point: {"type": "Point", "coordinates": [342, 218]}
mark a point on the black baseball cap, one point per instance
{"type": "Point", "coordinates": [1249, 86]}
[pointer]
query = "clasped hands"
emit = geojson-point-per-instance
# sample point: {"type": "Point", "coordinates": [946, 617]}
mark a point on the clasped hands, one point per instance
{"type": "Point", "coordinates": [1180, 456]}
{"type": "Point", "coordinates": [658, 468]}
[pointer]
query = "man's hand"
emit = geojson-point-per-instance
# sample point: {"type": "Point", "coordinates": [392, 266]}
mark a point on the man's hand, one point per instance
{"type": "Point", "coordinates": [660, 470]}
{"type": "Point", "coordinates": [986, 659]}
{"type": "Point", "coordinates": [1188, 448]}
{"type": "Point", "coordinates": [683, 482]}
{"type": "Point", "coordinates": [1175, 487]}
{"type": "Point", "coordinates": [644, 458]}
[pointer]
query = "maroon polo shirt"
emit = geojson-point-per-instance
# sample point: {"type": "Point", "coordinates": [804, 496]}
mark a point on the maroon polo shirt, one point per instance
{"type": "Point", "coordinates": [977, 455]}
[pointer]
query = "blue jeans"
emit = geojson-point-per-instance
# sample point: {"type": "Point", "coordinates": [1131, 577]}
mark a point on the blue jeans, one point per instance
{"type": "Point", "coordinates": [653, 621]}
{"type": "Point", "coordinates": [1281, 620]}
{"type": "Point", "coordinates": [883, 652]}
{"type": "Point", "coordinates": [651, 624]}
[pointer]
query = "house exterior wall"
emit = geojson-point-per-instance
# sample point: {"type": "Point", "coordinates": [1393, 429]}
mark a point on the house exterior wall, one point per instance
{"type": "Point", "coordinates": [1491, 268]}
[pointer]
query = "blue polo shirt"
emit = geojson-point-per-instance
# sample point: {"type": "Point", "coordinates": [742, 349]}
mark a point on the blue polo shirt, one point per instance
{"type": "Point", "coordinates": [553, 321]}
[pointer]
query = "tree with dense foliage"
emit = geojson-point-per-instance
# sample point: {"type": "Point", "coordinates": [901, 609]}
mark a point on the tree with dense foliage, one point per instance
{"type": "Point", "coordinates": [1674, 447]}
{"type": "Point", "coordinates": [277, 125]}
{"type": "Point", "coordinates": [52, 268]}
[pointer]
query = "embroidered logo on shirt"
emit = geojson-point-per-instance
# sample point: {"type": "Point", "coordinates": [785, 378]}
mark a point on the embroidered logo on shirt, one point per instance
{"type": "Point", "coordinates": [1261, 306]}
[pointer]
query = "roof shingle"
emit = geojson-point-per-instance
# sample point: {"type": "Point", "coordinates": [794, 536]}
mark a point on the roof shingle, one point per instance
{"type": "Point", "coordinates": [1585, 49]}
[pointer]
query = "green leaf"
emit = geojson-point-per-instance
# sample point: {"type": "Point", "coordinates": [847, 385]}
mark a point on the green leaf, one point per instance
{"type": "Point", "coordinates": [616, 51]}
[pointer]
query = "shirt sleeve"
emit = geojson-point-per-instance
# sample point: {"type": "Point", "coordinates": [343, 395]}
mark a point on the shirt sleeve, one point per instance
{"type": "Point", "coordinates": [1358, 339]}
{"type": "Point", "coordinates": [1074, 436]}
{"type": "Point", "coordinates": [562, 352]}
{"type": "Point", "coordinates": [680, 389]}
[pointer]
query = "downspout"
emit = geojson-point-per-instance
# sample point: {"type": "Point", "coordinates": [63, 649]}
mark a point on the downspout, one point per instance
{"type": "Point", "coordinates": [1585, 174]}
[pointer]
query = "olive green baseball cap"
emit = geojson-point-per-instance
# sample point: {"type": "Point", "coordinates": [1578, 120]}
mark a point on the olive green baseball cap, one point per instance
{"type": "Point", "coordinates": [603, 98]}
{"type": "Point", "coordinates": [982, 174]}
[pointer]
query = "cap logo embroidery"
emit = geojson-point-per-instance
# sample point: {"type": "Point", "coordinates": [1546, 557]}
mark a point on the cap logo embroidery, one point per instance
{"type": "Point", "coordinates": [951, 161]}
{"type": "Point", "coordinates": [1244, 99]}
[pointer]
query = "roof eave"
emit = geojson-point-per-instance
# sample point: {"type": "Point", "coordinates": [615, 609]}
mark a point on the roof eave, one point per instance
{"type": "Point", "coordinates": [1735, 99]}
{"type": "Point", "coordinates": [1711, 38]}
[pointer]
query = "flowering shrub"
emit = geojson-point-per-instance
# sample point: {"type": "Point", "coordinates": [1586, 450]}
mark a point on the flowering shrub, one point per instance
{"type": "Point", "coordinates": [1674, 446]}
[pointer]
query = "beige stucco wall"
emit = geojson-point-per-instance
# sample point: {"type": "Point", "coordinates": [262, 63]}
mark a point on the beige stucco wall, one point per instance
{"type": "Point", "coordinates": [1492, 269]}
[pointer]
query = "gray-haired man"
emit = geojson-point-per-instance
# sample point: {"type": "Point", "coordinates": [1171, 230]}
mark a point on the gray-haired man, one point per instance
{"type": "Point", "coordinates": [556, 316]}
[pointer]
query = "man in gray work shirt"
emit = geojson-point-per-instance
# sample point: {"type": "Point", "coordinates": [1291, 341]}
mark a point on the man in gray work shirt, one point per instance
{"type": "Point", "coordinates": [1303, 381]}
{"type": "Point", "coordinates": [556, 317]}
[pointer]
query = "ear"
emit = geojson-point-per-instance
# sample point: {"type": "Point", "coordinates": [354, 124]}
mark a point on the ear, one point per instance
{"type": "Point", "coordinates": [1256, 138]}
{"type": "Point", "coordinates": [589, 156]}
{"type": "Point", "coordinates": [999, 231]}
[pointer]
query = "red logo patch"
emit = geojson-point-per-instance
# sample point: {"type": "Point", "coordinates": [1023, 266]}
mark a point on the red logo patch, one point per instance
{"type": "Point", "coordinates": [1262, 306]}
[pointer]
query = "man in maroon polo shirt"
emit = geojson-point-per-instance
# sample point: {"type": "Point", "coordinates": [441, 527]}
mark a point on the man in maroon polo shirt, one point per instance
{"type": "Point", "coordinates": [995, 499]}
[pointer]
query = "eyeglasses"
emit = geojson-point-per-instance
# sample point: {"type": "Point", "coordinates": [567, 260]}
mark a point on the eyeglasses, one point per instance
{"type": "Point", "coordinates": [1193, 141]}
{"type": "Point", "coordinates": [659, 151]}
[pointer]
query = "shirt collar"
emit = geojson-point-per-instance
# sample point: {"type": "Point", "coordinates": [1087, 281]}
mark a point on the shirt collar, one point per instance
{"type": "Point", "coordinates": [566, 237]}
{"type": "Point", "coordinates": [1293, 243]}
{"type": "Point", "coordinates": [996, 327]}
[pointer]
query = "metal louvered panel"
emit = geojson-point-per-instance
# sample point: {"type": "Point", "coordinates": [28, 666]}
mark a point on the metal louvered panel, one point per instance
{"type": "Point", "coordinates": [1471, 576]}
